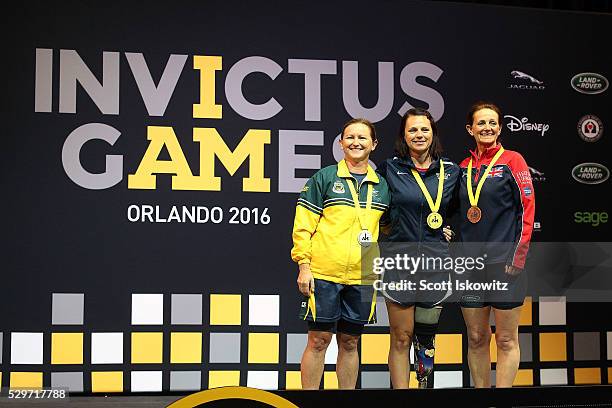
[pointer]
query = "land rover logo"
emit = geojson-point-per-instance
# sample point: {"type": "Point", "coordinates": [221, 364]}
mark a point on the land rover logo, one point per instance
{"type": "Point", "coordinates": [589, 83]}
{"type": "Point", "coordinates": [590, 173]}
{"type": "Point", "coordinates": [590, 128]}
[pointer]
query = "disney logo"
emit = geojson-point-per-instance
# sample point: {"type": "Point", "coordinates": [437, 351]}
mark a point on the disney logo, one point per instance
{"type": "Point", "coordinates": [516, 125]}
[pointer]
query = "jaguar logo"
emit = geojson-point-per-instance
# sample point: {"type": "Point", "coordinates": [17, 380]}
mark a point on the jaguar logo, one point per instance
{"type": "Point", "coordinates": [522, 75]}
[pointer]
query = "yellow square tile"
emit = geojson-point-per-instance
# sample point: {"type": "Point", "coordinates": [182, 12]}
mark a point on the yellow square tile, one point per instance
{"type": "Point", "coordinates": [523, 378]}
{"type": "Point", "coordinates": [147, 348]}
{"type": "Point", "coordinates": [185, 348]}
{"type": "Point", "coordinates": [0, 380]}
{"type": "Point", "coordinates": [330, 380]}
{"type": "Point", "coordinates": [449, 349]}
{"type": "Point", "coordinates": [293, 380]}
{"type": "Point", "coordinates": [225, 310]}
{"type": "Point", "coordinates": [66, 348]}
{"type": "Point", "coordinates": [223, 378]}
{"type": "Point", "coordinates": [609, 375]}
{"type": "Point", "coordinates": [26, 380]}
{"type": "Point", "coordinates": [263, 348]}
{"type": "Point", "coordinates": [107, 381]}
{"type": "Point", "coordinates": [412, 381]}
{"type": "Point", "coordinates": [526, 312]}
{"type": "Point", "coordinates": [374, 349]}
{"type": "Point", "coordinates": [553, 347]}
{"type": "Point", "coordinates": [587, 376]}
{"type": "Point", "coordinates": [492, 349]}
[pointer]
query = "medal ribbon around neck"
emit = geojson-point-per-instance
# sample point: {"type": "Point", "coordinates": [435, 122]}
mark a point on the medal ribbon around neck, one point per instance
{"type": "Point", "coordinates": [434, 207]}
{"type": "Point", "coordinates": [474, 198]}
{"type": "Point", "coordinates": [361, 214]}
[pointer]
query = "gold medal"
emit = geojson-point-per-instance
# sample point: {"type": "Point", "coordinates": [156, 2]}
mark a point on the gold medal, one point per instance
{"type": "Point", "coordinates": [434, 220]}
{"type": "Point", "coordinates": [474, 214]}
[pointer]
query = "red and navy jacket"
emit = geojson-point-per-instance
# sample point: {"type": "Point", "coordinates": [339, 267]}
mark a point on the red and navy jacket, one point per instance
{"type": "Point", "coordinates": [507, 202]}
{"type": "Point", "coordinates": [409, 209]}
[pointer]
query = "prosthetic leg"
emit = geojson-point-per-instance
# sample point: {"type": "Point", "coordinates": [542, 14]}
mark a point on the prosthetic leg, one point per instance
{"type": "Point", "coordinates": [425, 327]}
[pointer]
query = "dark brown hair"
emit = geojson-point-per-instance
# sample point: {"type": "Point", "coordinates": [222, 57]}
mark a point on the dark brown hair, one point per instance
{"type": "Point", "coordinates": [401, 147]}
{"type": "Point", "coordinates": [363, 122]}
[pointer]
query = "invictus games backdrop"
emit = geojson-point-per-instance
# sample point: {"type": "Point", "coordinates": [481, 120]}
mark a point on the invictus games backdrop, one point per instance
{"type": "Point", "coordinates": [153, 155]}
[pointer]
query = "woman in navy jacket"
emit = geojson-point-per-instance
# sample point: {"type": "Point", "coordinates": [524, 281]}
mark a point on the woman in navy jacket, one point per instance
{"type": "Point", "coordinates": [422, 186]}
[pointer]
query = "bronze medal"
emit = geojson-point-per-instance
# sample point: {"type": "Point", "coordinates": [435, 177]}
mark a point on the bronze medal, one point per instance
{"type": "Point", "coordinates": [474, 214]}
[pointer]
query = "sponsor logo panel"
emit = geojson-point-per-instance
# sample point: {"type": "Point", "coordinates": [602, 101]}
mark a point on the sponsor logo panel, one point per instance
{"type": "Point", "coordinates": [524, 81]}
{"type": "Point", "coordinates": [590, 173]}
{"type": "Point", "coordinates": [515, 124]}
{"type": "Point", "coordinates": [590, 128]}
{"type": "Point", "coordinates": [589, 83]}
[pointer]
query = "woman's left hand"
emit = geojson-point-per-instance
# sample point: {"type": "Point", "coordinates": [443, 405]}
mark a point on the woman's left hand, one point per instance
{"type": "Point", "coordinates": [448, 233]}
{"type": "Point", "coordinates": [513, 270]}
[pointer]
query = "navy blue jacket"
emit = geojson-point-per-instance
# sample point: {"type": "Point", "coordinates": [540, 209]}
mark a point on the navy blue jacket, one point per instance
{"type": "Point", "coordinates": [409, 208]}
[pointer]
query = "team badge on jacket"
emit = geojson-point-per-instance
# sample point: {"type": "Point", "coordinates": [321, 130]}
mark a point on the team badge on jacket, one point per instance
{"type": "Point", "coordinates": [338, 187]}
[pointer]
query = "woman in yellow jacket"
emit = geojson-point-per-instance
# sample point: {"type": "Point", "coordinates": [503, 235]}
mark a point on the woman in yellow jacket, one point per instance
{"type": "Point", "coordinates": [334, 236]}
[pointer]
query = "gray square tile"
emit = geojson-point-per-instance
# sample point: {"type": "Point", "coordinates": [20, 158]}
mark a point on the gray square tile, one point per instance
{"type": "Point", "coordinates": [382, 318]}
{"type": "Point", "coordinates": [225, 347]}
{"type": "Point", "coordinates": [72, 381]}
{"type": "Point", "coordinates": [67, 308]}
{"type": "Point", "coordinates": [186, 309]}
{"type": "Point", "coordinates": [185, 380]}
{"type": "Point", "coordinates": [1, 336]}
{"type": "Point", "coordinates": [526, 346]}
{"type": "Point", "coordinates": [586, 346]}
{"type": "Point", "coordinates": [296, 343]}
{"type": "Point", "coordinates": [372, 379]}
{"type": "Point", "coordinates": [492, 379]}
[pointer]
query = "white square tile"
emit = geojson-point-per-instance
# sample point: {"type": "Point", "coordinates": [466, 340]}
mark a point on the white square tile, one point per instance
{"type": "Point", "coordinates": [553, 376]}
{"type": "Point", "coordinates": [264, 310]}
{"type": "Point", "coordinates": [148, 309]}
{"type": "Point", "coordinates": [264, 380]}
{"type": "Point", "coordinates": [106, 348]}
{"type": "Point", "coordinates": [26, 348]}
{"type": "Point", "coordinates": [331, 355]}
{"type": "Point", "coordinates": [552, 310]}
{"type": "Point", "coordinates": [146, 381]}
{"type": "Point", "coordinates": [448, 379]}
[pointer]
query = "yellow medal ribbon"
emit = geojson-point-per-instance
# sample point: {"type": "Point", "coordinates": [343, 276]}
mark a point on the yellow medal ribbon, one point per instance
{"type": "Point", "coordinates": [434, 219]}
{"type": "Point", "coordinates": [362, 215]}
{"type": "Point", "coordinates": [474, 199]}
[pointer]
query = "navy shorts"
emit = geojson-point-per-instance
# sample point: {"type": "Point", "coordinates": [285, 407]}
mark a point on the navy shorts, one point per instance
{"type": "Point", "coordinates": [503, 292]}
{"type": "Point", "coordinates": [332, 302]}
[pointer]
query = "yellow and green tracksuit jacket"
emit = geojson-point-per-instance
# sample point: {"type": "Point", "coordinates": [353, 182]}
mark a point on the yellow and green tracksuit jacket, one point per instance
{"type": "Point", "coordinates": [327, 225]}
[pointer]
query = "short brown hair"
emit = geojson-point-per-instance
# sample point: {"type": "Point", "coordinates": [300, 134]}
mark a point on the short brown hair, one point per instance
{"type": "Point", "coordinates": [363, 122]}
{"type": "Point", "coordinates": [483, 105]}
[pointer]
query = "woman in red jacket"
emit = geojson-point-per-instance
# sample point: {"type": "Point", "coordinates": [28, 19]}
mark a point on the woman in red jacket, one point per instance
{"type": "Point", "coordinates": [497, 206]}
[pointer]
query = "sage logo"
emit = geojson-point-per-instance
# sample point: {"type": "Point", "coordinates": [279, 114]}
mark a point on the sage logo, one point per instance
{"type": "Point", "coordinates": [589, 83]}
{"type": "Point", "coordinates": [591, 217]}
{"type": "Point", "coordinates": [590, 128]}
{"type": "Point", "coordinates": [590, 173]}
{"type": "Point", "coordinates": [515, 124]}
{"type": "Point", "coordinates": [525, 81]}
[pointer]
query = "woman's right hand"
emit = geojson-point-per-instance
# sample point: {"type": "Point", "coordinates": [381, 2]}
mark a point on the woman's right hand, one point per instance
{"type": "Point", "coordinates": [305, 280]}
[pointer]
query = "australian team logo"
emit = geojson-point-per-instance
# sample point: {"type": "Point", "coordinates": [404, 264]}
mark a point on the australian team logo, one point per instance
{"type": "Point", "coordinates": [522, 80]}
{"type": "Point", "coordinates": [590, 173]}
{"type": "Point", "coordinates": [589, 83]}
{"type": "Point", "coordinates": [590, 128]}
{"type": "Point", "coordinates": [338, 187]}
